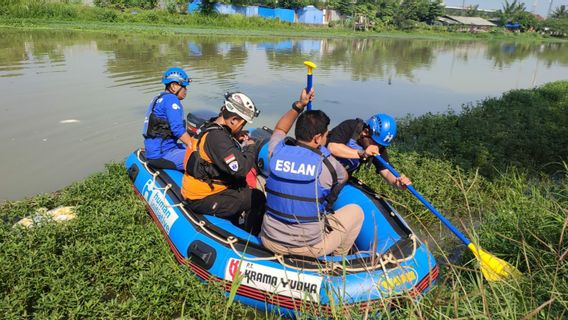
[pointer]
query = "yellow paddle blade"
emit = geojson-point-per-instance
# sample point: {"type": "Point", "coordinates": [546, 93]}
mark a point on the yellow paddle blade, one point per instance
{"type": "Point", "coordinates": [493, 268]}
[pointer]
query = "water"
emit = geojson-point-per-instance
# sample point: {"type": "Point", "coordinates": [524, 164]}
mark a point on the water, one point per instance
{"type": "Point", "coordinates": [73, 101]}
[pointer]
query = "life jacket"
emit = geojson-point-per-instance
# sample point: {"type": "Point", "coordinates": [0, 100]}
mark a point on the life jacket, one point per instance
{"type": "Point", "coordinates": [351, 164]}
{"type": "Point", "coordinates": [155, 127]}
{"type": "Point", "coordinates": [294, 193]}
{"type": "Point", "coordinates": [202, 178]}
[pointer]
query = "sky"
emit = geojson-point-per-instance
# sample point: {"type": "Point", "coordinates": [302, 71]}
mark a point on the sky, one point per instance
{"type": "Point", "coordinates": [541, 5]}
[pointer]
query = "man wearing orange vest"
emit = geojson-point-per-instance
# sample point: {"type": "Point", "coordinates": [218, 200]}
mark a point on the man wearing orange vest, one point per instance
{"type": "Point", "coordinates": [216, 168]}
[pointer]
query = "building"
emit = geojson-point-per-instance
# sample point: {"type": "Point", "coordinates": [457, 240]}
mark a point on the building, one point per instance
{"type": "Point", "coordinates": [467, 24]}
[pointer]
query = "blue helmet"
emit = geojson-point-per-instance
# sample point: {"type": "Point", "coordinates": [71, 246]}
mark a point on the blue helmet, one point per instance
{"type": "Point", "coordinates": [176, 75]}
{"type": "Point", "coordinates": [382, 128]}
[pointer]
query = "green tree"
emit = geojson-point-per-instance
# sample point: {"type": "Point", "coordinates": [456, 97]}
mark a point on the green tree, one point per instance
{"type": "Point", "coordinates": [386, 10]}
{"type": "Point", "coordinates": [293, 4]}
{"type": "Point", "coordinates": [472, 11]}
{"type": "Point", "coordinates": [516, 12]}
{"type": "Point", "coordinates": [207, 7]}
{"type": "Point", "coordinates": [435, 10]}
{"type": "Point", "coordinates": [344, 7]}
{"type": "Point", "coordinates": [560, 13]}
{"type": "Point", "coordinates": [511, 11]}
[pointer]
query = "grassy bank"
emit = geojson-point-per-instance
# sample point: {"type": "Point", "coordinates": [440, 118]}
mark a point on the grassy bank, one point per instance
{"type": "Point", "coordinates": [42, 15]}
{"type": "Point", "coordinates": [524, 128]}
{"type": "Point", "coordinates": [112, 262]}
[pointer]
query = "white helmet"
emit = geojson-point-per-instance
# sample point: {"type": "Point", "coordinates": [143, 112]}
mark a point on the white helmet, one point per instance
{"type": "Point", "coordinates": [242, 105]}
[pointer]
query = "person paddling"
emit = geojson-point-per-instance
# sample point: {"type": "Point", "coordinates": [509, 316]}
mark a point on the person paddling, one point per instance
{"type": "Point", "coordinates": [303, 183]}
{"type": "Point", "coordinates": [356, 141]}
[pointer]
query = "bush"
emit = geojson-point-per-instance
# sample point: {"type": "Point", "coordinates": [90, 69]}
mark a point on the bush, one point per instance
{"type": "Point", "coordinates": [107, 15]}
{"type": "Point", "coordinates": [524, 128]}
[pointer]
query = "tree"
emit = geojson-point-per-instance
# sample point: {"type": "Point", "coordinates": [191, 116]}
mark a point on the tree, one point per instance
{"type": "Point", "coordinates": [207, 7]}
{"type": "Point", "coordinates": [435, 10]}
{"type": "Point", "coordinates": [511, 11]}
{"type": "Point", "coordinates": [386, 10]}
{"type": "Point", "coordinates": [344, 7]}
{"type": "Point", "coordinates": [516, 12]}
{"type": "Point", "coordinates": [293, 4]}
{"type": "Point", "coordinates": [471, 11]}
{"type": "Point", "coordinates": [560, 13]}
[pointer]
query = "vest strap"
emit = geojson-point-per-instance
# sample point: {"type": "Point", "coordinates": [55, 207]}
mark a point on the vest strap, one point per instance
{"type": "Point", "coordinates": [277, 214]}
{"type": "Point", "coordinates": [291, 197]}
{"type": "Point", "coordinates": [201, 169]}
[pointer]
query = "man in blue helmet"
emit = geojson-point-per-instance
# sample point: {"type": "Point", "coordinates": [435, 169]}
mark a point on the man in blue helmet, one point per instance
{"type": "Point", "coordinates": [356, 141]}
{"type": "Point", "coordinates": [164, 123]}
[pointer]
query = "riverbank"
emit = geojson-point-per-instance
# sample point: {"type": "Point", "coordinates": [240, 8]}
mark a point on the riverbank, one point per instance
{"type": "Point", "coordinates": [94, 19]}
{"type": "Point", "coordinates": [113, 262]}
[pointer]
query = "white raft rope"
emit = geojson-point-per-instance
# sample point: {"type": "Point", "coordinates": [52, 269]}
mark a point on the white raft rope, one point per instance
{"type": "Point", "coordinates": [379, 261]}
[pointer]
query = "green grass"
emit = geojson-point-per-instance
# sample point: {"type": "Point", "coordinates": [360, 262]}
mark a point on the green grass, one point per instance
{"type": "Point", "coordinates": [112, 262]}
{"type": "Point", "coordinates": [523, 128]}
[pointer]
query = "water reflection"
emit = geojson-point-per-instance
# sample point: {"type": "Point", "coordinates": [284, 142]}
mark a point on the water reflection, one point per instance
{"type": "Point", "coordinates": [104, 81]}
{"type": "Point", "coordinates": [135, 59]}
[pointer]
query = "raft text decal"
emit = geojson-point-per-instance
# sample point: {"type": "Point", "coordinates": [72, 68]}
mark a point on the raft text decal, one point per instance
{"type": "Point", "coordinates": [397, 280]}
{"type": "Point", "coordinates": [159, 204]}
{"type": "Point", "coordinates": [273, 280]}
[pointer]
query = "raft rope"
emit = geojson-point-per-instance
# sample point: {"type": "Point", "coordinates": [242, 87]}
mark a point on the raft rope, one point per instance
{"type": "Point", "coordinates": [382, 260]}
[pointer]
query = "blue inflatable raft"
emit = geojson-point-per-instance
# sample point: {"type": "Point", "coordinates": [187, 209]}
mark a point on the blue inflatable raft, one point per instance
{"type": "Point", "coordinates": [389, 266]}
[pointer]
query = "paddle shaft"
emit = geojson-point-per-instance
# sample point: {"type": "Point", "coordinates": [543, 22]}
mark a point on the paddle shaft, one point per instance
{"type": "Point", "coordinates": [426, 203]}
{"type": "Point", "coordinates": [309, 87]}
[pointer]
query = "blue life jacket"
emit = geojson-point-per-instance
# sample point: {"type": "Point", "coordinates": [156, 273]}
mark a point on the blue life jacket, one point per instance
{"type": "Point", "coordinates": [294, 192]}
{"type": "Point", "coordinates": [155, 127]}
{"type": "Point", "coordinates": [351, 164]}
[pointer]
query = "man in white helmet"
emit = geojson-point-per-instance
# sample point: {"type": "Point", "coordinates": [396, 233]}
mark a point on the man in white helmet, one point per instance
{"type": "Point", "coordinates": [215, 172]}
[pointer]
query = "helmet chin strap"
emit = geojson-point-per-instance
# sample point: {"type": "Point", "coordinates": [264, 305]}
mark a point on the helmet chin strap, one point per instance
{"type": "Point", "coordinates": [177, 91]}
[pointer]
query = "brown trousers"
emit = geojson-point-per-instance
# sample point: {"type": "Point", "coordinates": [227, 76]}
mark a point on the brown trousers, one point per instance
{"type": "Point", "coordinates": [345, 225]}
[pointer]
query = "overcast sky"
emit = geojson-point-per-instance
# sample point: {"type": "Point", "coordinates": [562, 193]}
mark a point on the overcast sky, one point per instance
{"type": "Point", "coordinates": [541, 5]}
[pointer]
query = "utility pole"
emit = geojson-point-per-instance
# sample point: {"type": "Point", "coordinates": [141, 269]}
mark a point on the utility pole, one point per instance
{"type": "Point", "coordinates": [549, 9]}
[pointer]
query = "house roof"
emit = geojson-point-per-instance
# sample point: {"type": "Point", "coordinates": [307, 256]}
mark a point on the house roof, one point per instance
{"type": "Point", "coordinates": [471, 21]}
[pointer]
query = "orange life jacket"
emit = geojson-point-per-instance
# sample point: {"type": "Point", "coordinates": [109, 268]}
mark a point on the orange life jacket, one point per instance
{"type": "Point", "coordinates": [195, 188]}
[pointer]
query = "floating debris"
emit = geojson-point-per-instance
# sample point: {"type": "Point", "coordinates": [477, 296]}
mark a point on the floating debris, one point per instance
{"type": "Point", "coordinates": [69, 121]}
{"type": "Point", "coordinates": [42, 215]}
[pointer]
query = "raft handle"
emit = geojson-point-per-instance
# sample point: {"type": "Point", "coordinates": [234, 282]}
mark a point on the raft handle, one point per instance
{"type": "Point", "coordinates": [202, 254]}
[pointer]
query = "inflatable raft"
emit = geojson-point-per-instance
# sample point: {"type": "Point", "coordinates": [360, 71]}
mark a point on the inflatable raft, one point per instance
{"type": "Point", "coordinates": [389, 264]}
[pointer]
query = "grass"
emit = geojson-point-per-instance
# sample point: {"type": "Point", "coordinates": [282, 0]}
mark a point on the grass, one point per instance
{"type": "Point", "coordinates": [523, 128]}
{"type": "Point", "coordinates": [34, 14]}
{"type": "Point", "coordinates": [112, 261]}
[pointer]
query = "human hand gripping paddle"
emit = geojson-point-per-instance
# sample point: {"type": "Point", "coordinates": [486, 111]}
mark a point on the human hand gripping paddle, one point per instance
{"type": "Point", "coordinates": [493, 268]}
{"type": "Point", "coordinates": [311, 66]}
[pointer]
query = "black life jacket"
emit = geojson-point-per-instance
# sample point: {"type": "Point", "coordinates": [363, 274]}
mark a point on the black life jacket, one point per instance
{"type": "Point", "coordinates": [158, 127]}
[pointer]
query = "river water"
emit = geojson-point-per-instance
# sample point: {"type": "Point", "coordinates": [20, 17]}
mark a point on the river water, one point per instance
{"type": "Point", "coordinates": [73, 101]}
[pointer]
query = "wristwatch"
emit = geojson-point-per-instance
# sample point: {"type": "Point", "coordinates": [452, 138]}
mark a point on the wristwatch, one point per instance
{"type": "Point", "coordinates": [361, 154]}
{"type": "Point", "coordinates": [296, 108]}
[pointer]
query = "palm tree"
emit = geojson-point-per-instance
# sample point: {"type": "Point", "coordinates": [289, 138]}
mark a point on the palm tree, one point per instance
{"type": "Point", "coordinates": [512, 11]}
{"type": "Point", "coordinates": [560, 13]}
{"type": "Point", "coordinates": [471, 11]}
